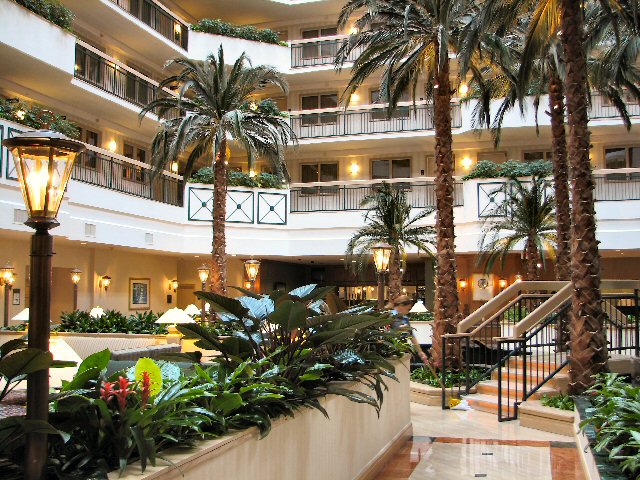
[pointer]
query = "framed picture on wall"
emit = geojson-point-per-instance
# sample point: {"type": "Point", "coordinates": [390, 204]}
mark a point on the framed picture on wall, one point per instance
{"type": "Point", "coordinates": [482, 287]}
{"type": "Point", "coordinates": [139, 294]}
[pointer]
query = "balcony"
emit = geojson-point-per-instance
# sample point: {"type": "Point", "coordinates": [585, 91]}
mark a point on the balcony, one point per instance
{"type": "Point", "coordinates": [367, 120]}
{"type": "Point", "coordinates": [158, 18]}
{"type": "Point", "coordinates": [601, 108]}
{"type": "Point", "coordinates": [336, 197]}
{"type": "Point", "coordinates": [317, 52]}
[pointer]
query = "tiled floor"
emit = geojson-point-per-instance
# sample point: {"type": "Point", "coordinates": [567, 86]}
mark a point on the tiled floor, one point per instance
{"type": "Point", "coordinates": [450, 445]}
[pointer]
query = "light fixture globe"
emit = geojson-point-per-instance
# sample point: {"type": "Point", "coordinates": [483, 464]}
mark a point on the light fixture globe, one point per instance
{"type": "Point", "coordinates": [252, 267]}
{"type": "Point", "coordinates": [203, 272]}
{"type": "Point", "coordinates": [76, 274]}
{"type": "Point", "coordinates": [6, 275]}
{"type": "Point", "coordinates": [381, 255]}
{"type": "Point", "coordinates": [44, 161]}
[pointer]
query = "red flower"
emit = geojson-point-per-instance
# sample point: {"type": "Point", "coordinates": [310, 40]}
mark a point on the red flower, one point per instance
{"type": "Point", "coordinates": [106, 392]}
{"type": "Point", "coordinates": [146, 388]}
{"type": "Point", "coordinates": [122, 393]}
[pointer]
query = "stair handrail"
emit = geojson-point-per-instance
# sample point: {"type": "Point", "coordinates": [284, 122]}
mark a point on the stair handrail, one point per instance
{"type": "Point", "coordinates": [543, 311]}
{"type": "Point", "coordinates": [500, 312]}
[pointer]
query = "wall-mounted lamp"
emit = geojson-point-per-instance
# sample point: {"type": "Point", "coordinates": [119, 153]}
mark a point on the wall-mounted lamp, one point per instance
{"type": "Point", "coordinates": [354, 168]}
{"type": "Point", "coordinates": [174, 167]}
{"type": "Point", "coordinates": [7, 278]}
{"type": "Point", "coordinates": [173, 285]}
{"type": "Point", "coordinates": [247, 285]}
{"type": "Point", "coordinates": [353, 30]}
{"type": "Point", "coordinates": [464, 89]}
{"type": "Point", "coordinates": [75, 279]}
{"type": "Point", "coordinates": [466, 163]}
{"type": "Point", "coordinates": [112, 146]}
{"type": "Point", "coordinates": [462, 284]}
{"type": "Point", "coordinates": [502, 283]}
{"type": "Point", "coordinates": [105, 282]}
{"type": "Point", "coordinates": [517, 278]}
{"type": "Point", "coordinates": [252, 267]}
{"type": "Point", "coordinates": [354, 98]}
{"type": "Point", "coordinates": [178, 29]}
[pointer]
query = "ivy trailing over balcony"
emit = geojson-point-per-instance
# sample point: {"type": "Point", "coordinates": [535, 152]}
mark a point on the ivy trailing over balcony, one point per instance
{"type": "Point", "coordinates": [32, 116]}
{"type": "Point", "coordinates": [246, 32]}
{"type": "Point", "coordinates": [51, 10]}
{"type": "Point", "coordinates": [239, 179]}
{"type": "Point", "coordinates": [509, 169]}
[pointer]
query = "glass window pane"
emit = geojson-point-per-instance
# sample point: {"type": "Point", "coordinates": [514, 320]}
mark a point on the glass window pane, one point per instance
{"type": "Point", "coordinates": [329, 101]}
{"type": "Point", "coordinates": [127, 150]}
{"type": "Point", "coordinates": [313, 33]}
{"type": "Point", "coordinates": [379, 169]}
{"type": "Point", "coordinates": [328, 172]}
{"type": "Point", "coordinates": [634, 157]}
{"type": "Point", "coordinates": [401, 168]}
{"type": "Point", "coordinates": [533, 156]}
{"type": "Point", "coordinates": [309, 173]}
{"type": "Point", "coordinates": [310, 103]}
{"type": "Point", "coordinates": [328, 31]}
{"type": "Point", "coordinates": [141, 155]}
{"type": "Point", "coordinates": [615, 158]}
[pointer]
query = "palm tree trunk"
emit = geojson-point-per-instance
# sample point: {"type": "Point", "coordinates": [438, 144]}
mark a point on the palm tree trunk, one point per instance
{"type": "Point", "coordinates": [395, 276]}
{"type": "Point", "coordinates": [531, 260]}
{"type": "Point", "coordinates": [446, 301]}
{"type": "Point", "coordinates": [560, 177]}
{"type": "Point", "coordinates": [588, 346]}
{"type": "Point", "coordinates": [218, 277]}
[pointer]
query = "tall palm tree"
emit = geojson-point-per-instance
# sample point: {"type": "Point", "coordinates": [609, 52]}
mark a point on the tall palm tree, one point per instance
{"type": "Point", "coordinates": [218, 108]}
{"type": "Point", "coordinates": [527, 217]}
{"type": "Point", "coordinates": [409, 42]}
{"type": "Point", "coordinates": [389, 219]}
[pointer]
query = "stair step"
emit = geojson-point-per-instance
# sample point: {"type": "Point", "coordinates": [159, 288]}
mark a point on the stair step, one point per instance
{"type": "Point", "coordinates": [490, 387]}
{"type": "Point", "coordinates": [515, 375]}
{"type": "Point", "coordinates": [534, 364]}
{"type": "Point", "coordinates": [487, 403]}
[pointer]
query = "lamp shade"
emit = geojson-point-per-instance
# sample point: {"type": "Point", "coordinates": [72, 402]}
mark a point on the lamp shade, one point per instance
{"type": "Point", "coordinates": [192, 310]}
{"type": "Point", "coordinates": [23, 316]}
{"type": "Point", "coordinates": [175, 316]}
{"type": "Point", "coordinates": [44, 161]}
{"type": "Point", "coordinates": [203, 272]}
{"type": "Point", "coordinates": [418, 307]}
{"type": "Point", "coordinates": [96, 312]}
{"type": "Point", "coordinates": [252, 268]}
{"type": "Point", "coordinates": [75, 275]}
{"type": "Point", "coordinates": [381, 255]}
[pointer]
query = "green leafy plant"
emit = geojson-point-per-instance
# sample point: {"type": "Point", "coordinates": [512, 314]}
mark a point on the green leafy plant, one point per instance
{"type": "Point", "coordinates": [111, 322]}
{"type": "Point", "coordinates": [32, 116]}
{"type": "Point", "coordinates": [20, 327]}
{"type": "Point", "coordinates": [239, 179]}
{"type": "Point", "coordinates": [422, 317]}
{"type": "Point", "coordinates": [509, 169]}
{"type": "Point", "coordinates": [616, 419]}
{"type": "Point", "coordinates": [51, 10]}
{"type": "Point", "coordinates": [561, 401]}
{"type": "Point", "coordinates": [450, 379]}
{"type": "Point", "coordinates": [247, 32]}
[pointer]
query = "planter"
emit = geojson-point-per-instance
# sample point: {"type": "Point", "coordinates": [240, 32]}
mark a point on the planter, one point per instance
{"type": "Point", "coordinates": [354, 443]}
{"type": "Point", "coordinates": [432, 396]}
{"type": "Point", "coordinates": [85, 344]}
{"type": "Point", "coordinates": [596, 465]}
{"type": "Point", "coordinates": [548, 419]}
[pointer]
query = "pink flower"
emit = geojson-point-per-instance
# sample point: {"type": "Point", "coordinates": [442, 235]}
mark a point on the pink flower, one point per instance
{"type": "Point", "coordinates": [106, 392]}
{"type": "Point", "coordinates": [122, 393]}
{"type": "Point", "coordinates": [146, 388]}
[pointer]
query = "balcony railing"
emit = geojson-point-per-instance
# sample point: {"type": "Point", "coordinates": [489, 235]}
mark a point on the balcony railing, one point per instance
{"type": "Point", "coordinates": [159, 19]}
{"type": "Point", "coordinates": [332, 197]}
{"type": "Point", "coordinates": [614, 185]}
{"type": "Point", "coordinates": [315, 52]}
{"type": "Point", "coordinates": [127, 177]}
{"type": "Point", "coordinates": [601, 108]}
{"type": "Point", "coordinates": [367, 121]}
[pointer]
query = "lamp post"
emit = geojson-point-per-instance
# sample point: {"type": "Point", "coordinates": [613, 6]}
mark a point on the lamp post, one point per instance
{"type": "Point", "coordinates": [6, 279]}
{"type": "Point", "coordinates": [252, 267]}
{"type": "Point", "coordinates": [203, 273]}
{"type": "Point", "coordinates": [381, 255]}
{"type": "Point", "coordinates": [75, 279]}
{"type": "Point", "coordinates": [44, 161]}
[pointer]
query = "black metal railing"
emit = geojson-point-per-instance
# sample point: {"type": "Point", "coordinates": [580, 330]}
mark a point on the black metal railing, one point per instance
{"type": "Point", "coordinates": [158, 19]}
{"type": "Point", "coordinates": [112, 173]}
{"type": "Point", "coordinates": [319, 52]}
{"type": "Point", "coordinates": [334, 198]}
{"type": "Point", "coordinates": [368, 121]}
{"type": "Point", "coordinates": [601, 108]}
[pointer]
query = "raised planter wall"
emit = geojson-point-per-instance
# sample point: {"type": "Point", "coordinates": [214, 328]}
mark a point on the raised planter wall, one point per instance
{"type": "Point", "coordinates": [352, 444]}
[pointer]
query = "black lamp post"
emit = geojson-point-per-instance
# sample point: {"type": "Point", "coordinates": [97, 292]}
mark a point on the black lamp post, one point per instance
{"type": "Point", "coordinates": [6, 280]}
{"type": "Point", "coordinates": [252, 267]}
{"type": "Point", "coordinates": [381, 255]}
{"type": "Point", "coordinates": [75, 279]}
{"type": "Point", "coordinates": [203, 273]}
{"type": "Point", "coordinates": [44, 161]}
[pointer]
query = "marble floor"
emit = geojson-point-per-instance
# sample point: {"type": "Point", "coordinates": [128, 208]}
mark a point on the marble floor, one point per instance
{"type": "Point", "coordinates": [450, 445]}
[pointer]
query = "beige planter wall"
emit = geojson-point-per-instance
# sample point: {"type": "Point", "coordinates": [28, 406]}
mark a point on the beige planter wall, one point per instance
{"type": "Point", "coordinates": [308, 447]}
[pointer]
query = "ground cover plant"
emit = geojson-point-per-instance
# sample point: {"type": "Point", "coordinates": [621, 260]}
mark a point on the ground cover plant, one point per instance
{"type": "Point", "coordinates": [111, 321]}
{"type": "Point", "coordinates": [285, 352]}
{"type": "Point", "coordinates": [561, 401]}
{"type": "Point", "coordinates": [450, 379]}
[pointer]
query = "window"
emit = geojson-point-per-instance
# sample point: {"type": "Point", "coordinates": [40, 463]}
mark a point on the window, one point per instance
{"type": "Point", "coordinates": [90, 158]}
{"type": "Point", "coordinates": [397, 168]}
{"type": "Point", "coordinates": [328, 48]}
{"type": "Point", "coordinates": [315, 102]}
{"type": "Point", "coordinates": [537, 156]}
{"type": "Point", "coordinates": [621, 157]}
{"type": "Point", "coordinates": [496, 157]}
{"type": "Point", "coordinates": [431, 164]}
{"type": "Point", "coordinates": [131, 172]}
{"type": "Point", "coordinates": [319, 172]}
{"type": "Point", "coordinates": [381, 114]}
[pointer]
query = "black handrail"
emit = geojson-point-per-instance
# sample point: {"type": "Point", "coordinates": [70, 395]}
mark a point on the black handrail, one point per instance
{"type": "Point", "coordinates": [158, 19]}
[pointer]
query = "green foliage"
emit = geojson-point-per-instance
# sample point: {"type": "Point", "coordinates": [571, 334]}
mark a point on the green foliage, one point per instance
{"type": "Point", "coordinates": [561, 401]}
{"type": "Point", "coordinates": [20, 327]}
{"type": "Point", "coordinates": [450, 379]}
{"type": "Point", "coordinates": [51, 10]}
{"type": "Point", "coordinates": [509, 169]}
{"type": "Point", "coordinates": [111, 322]}
{"type": "Point", "coordinates": [616, 419]}
{"type": "Point", "coordinates": [247, 32]}
{"type": "Point", "coordinates": [239, 179]}
{"type": "Point", "coordinates": [422, 317]}
{"type": "Point", "coordinates": [32, 116]}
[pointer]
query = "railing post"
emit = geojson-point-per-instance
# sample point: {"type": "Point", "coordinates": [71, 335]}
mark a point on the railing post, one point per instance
{"type": "Point", "coordinates": [636, 322]}
{"type": "Point", "coordinates": [523, 349]}
{"type": "Point", "coordinates": [467, 346]}
{"type": "Point", "coordinates": [499, 345]}
{"type": "Point", "coordinates": [443, 372]}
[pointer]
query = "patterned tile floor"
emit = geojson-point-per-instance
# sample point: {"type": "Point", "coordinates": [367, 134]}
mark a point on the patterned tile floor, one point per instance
{"type": "Point", "coordinates": [450, 445]}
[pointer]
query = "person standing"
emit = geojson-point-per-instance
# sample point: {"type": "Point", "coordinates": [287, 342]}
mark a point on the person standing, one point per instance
{"type": "Point", "coordinates": [400, 309]}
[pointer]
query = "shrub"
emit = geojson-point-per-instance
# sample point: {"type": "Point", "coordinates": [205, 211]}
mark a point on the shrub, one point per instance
{"type": "Point", "coordinates": [450, 379]}
{"type": "Point", "coordinates": [51, 10]}
{"type": "Point", "coordinates": [32, 116]}
{"type": "Point", "coordinates": [561, 401]}
{"type": "Point", "coordinates": [422, 317]}
{"type": "Point", "coordinates": [247, 32]}
{"type": "Point", "coordinates": [238, 179]}
{"type": "Point", "coordinates": [111, 322]}
{"type": "Point", "coordinates": [509, 169]}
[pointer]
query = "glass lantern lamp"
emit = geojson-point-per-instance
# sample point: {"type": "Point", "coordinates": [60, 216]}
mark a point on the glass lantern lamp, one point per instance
{"type": "Point", "coordinates": [252, 268]}
{"type": "Point", "coordinates": [381, 256]}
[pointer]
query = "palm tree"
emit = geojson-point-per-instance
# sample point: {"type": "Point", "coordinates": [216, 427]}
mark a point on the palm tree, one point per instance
{"type": "Point", "coordinates": [389, 219]}
{"type": "Point", "coordinates": [527, 217]}
{"type": "Point", "coordinates": [409, 42]}
{"type": "Point", "coordinates": [219, 107]}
